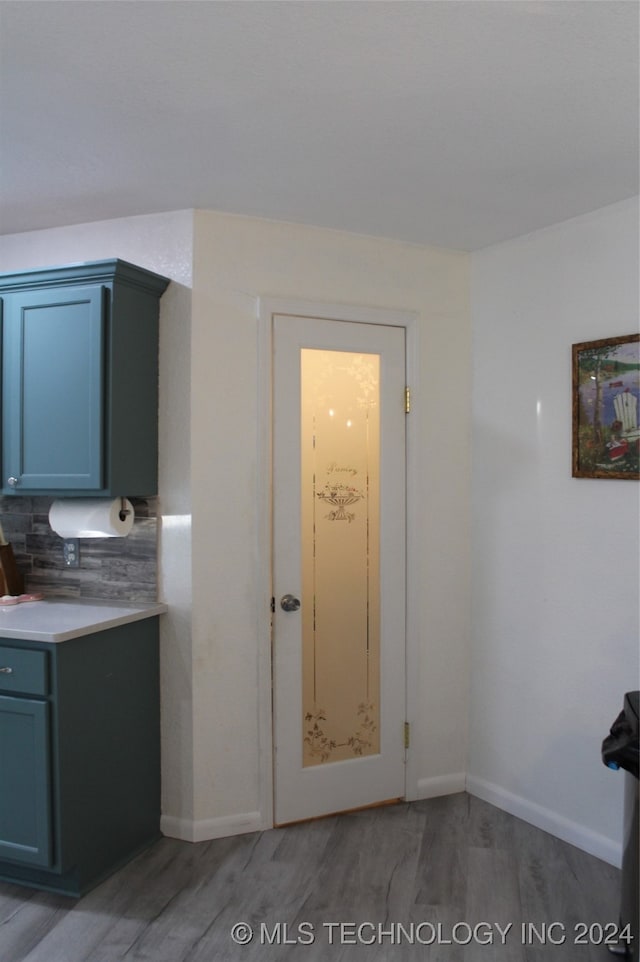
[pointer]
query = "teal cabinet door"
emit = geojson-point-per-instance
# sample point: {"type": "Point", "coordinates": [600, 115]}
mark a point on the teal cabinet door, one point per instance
{"type": "Point", "coordinates": [25, 788]}
{"type": "Point", "coordinates": [52, 389]}
{"type": "Point", "coordinates": [80, 380]}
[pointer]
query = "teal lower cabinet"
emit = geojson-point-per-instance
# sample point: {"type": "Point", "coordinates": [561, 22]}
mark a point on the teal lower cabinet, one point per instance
{"type": "Point", "coordinates": [25, 797]}
{"type": "Point", "coordinates": [79, 756]}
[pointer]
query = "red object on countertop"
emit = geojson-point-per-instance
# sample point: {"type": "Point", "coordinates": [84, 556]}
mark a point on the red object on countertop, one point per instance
{"type": "Point", "coordinates": [18, 599]}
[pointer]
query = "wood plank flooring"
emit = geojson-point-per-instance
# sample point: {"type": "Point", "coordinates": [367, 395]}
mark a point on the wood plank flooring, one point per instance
{"type": "Point", "coordinates": [411, 881]}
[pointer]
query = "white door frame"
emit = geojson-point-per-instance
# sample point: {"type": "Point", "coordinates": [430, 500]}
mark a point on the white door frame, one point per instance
{"type": "Point", "coordinates": [267, 307]}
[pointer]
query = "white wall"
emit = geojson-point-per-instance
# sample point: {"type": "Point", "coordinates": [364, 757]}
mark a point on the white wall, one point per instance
{"type": "Point", "coordinates": [162, 243]}
{"type": "Point", "coordinates": [238, 259]}
{"type": "Point", "coordinates": [555, 560]}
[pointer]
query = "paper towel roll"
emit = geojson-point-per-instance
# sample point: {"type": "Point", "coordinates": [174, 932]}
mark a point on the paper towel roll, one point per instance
{"type": "Point", "coordinates": [91, 517]}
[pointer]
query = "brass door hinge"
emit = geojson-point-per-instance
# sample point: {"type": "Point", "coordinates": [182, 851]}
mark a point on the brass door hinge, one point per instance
{"type": "Point", "coordinates": [407, 400]}
{"type": "Point", "coordinates": [407, 734]}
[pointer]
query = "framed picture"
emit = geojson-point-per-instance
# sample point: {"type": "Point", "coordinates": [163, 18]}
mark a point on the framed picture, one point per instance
{"type": "Point", "coordinates": [606, 403]}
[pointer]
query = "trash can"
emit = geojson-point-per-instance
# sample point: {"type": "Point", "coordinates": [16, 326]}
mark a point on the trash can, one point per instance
{"type": "Point", "coordinates": [620, 749]}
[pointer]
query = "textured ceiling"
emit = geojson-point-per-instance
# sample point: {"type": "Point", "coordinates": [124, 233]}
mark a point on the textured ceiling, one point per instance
{"type": "Point", "coordinates": [457, 124]}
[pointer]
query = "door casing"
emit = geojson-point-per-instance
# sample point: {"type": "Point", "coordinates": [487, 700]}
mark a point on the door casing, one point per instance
{"type": "Point", "coordinates": [267, 307]}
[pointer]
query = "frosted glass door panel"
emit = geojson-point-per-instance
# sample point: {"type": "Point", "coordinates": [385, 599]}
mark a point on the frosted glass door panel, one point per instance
{"type": "Point", "coordinates": [340, 550]}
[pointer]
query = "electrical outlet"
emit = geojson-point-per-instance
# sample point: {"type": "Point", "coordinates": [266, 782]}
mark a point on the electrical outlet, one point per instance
{"type": "Point", "coordinates": [71, 551]}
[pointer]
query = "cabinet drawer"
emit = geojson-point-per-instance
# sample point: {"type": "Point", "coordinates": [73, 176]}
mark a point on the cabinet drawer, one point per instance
{"type": "Point", "coordinates": [23, 671]}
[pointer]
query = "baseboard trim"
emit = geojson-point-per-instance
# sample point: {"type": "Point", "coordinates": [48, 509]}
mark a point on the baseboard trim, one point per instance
{"type": "Point", "coordinates": [441, 785]}
{"type": "Point", "coordinates": [543, 818]}
{"type": "Point", "coordinates": [207, 828]}
{"type": "Point", "coordinates": [547, 820]}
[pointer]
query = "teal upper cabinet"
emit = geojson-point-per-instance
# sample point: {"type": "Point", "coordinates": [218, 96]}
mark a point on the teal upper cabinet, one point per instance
{"type": "Point", "coordinates": [53, 389]}
{"type": "Point", "coordinates": [80, 380]}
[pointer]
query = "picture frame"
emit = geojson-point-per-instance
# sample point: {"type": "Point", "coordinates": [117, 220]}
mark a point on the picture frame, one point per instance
{"type": "Point", "coordinates": [606, 408]}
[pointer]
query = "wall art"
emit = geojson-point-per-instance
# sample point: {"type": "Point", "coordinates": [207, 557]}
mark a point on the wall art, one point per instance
{"type": "Point", "coordinates": [606, 403]}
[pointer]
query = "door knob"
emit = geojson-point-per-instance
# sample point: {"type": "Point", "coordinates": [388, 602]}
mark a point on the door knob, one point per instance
{"type": "Point", "coordinates": [289, 603]}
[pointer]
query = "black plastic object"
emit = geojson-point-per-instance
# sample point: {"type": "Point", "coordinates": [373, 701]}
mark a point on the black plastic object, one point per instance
{"type": "Point", "coordinates": [621, 749]}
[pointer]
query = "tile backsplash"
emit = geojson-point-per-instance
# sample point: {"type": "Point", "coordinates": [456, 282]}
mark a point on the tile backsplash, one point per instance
{"type": "Point", "coordinates": [110, 568]}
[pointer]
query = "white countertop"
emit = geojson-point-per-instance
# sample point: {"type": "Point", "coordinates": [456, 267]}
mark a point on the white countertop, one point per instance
{"type": "Point", "coordinates": [59, 619]}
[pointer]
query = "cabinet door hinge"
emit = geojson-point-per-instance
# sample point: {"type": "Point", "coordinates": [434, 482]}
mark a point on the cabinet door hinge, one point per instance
{"type": "Point", "coordinates": [407, 734]}
{"type": "Point", "coordinates": [407, 400]}
{"type": "Point", "coordinates": [272, 606]}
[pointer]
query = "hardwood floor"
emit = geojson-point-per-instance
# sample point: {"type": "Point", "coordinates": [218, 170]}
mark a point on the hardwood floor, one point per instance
{"type": "Point", "coordinates": [411, 881]}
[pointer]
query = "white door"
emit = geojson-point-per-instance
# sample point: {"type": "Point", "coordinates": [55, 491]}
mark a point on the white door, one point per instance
{"type": "Point", "coordinates": [339, 531]}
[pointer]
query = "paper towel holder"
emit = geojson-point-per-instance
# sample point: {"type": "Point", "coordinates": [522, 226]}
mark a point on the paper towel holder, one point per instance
{"type": "Point", "coordinates": [92, 517]}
